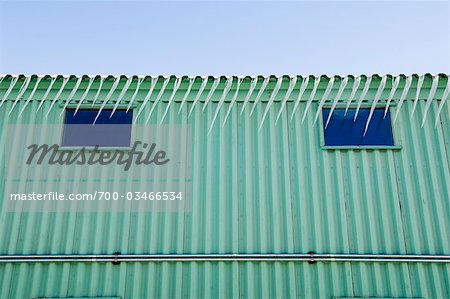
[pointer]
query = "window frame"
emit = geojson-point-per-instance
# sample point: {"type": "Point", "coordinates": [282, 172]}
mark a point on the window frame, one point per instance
{"type": "Point", "coordinates": [395, 129]}
{"type": "Point", "coordinates": [89, 106]}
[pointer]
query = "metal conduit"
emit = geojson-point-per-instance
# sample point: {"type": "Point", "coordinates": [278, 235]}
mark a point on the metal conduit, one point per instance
{"type": "Point", "coordinates": [310, 257]}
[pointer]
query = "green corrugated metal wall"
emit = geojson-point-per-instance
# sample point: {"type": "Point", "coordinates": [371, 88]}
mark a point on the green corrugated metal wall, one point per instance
{"type": "Point", "coordinates": [268, 190]}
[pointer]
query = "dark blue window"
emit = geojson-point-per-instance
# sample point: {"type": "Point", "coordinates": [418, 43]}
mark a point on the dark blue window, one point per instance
{"type": "Point", "coordinates": [112, 131]}
{"type": "Point", "coordinates": [343, 131]}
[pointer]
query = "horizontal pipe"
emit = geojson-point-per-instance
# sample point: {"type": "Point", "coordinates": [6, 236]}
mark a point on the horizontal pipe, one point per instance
{"type": "Point", "coordinates": [285, 257]}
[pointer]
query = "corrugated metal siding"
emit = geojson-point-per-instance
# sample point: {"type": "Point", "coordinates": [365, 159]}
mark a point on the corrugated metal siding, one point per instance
{"type": "Point", "coordinates": [256, 190]}
{"type": "Point", "coordinates": [207, 280]}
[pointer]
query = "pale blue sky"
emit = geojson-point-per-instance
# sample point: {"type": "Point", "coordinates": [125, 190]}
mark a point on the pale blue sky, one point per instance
{"type": "Point", "coordinates": [241, 37]}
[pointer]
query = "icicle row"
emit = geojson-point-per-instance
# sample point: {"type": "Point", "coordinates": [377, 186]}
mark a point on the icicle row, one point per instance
{"type": "Point", "coordinates": [355, 88]}
{"type": "Point", "coordinates": [271, 100]}
{"type": "Point", "coordinates": [261, 90]}
{"type": "Point", "coordinates": [249, 93]}
{"type": "Point", "coordinates": [443, 100]}
{"type": "Point", "coordinates": [222, 99]}
{"type": "Point", "coordinates": [310, 100]}
{"type": "Point", "coordinates": [77, 85]}
{"type": "Point", "coordinates": [403, 96]}
{"type": "Point", "coordinates": [26, 85]}
{"type": "Point", "coordinates": [161, 92]}
{"type": "Point", "coordinates": [232, 101]}
{"type": "Point", "coordinates": [418, 89]}
{"type": "Point", "coordinates": [31, 95]}
{"type": "Point", "coordinates": [22, 90]}
{"type": "Point", "coordinates": [153, 82]}
{"type": "Point", "coordinates": [199, 93]}
{"type": "Point", "coordinates": [292, 83]}
{"type": "Point", "coordinates": [175, 88]}
{"type": "Point", "coordinates": [336, 100]}
{"type": "Point", "coordinates": [46, 93]}
{"type": "Point", "coordinates": [121, 95]}
{"type": "Point", "coordinates": [108, 96]}
{"type": "Point", "coordinates": [375, 101]}
{"type": "Point", "coordinates": [188, 91]}
{"type": "Point", "coordinates": [65, 80]}
{"type": "Point", "coordinates": [434, 86]}
{"type": "Point", "coordinates": [211, 92]}
{"type": "Point", "coordinates": [80, 102]}
{"type": "Point", "coordinates": [363, 95]}
{"type": "Point", "coordinates": [300, 94]}
{"type": "Point", "coordinates": [324, 98]}
{"type": "Point", "coordinates": [11, 86]}
{"type": "Point", "coordinates": [391, 95]}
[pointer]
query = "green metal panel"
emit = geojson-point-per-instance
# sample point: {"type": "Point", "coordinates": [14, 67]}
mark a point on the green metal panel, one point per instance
{"type": "Point", "coordinates": [267, 188]}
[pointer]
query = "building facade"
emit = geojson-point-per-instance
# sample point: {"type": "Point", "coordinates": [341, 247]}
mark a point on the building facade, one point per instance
{"type": "Point", "coordinates": [278, 206]}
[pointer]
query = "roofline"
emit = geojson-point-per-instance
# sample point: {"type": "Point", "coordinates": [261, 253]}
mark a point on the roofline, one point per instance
{"type": "Point", "coordinates": [336, 76]}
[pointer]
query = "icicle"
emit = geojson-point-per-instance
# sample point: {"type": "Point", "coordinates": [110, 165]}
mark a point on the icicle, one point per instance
{"type": "Point", "coordinates": [430, 99]}
{"type": "Point", "coordinates": [65, 80]}
{"type": "Point", "coordinates": [271, 100]}
{"type": "Point", "coordinates": [30, 96]}
{"type": "Point", "coordinates": [99, 90]}
{"type": "Point", "coordinates": [161, 92]}
{"type": "Point", "coordinates": [1, 80]}
{"type": "Point", "coordinates": [188, 91]}
{"type": "Point", "coordinates": [292, 83]}
{"type": "Point", "coordinates": [11, 86]}
{"type": "Point", "coordinates": [443, 100]}
{"type": "Point", "coordinates": [74, 90]}
{"type": "Point", "coordinates": [391, 95]}
{"type": "Point", "coordinates": [403, 96]}
{"type": "Point", "coordinates": [199, 93]}
{"type": "Point", "coordinates": [108, 96]}
{"type": "Point", "coordinates": [175, 88]}
{"type": "Point", "coordinates": [375, 102]}
{"type": "Point", "coordinates": [140, 80]}
{"type": "Point", "coordinates": [261, 90]}
{"type": "Point", "coordinates": [363, 95]}
{"type": "Point", "coordinates": [226, 90]}
{"type": "Point", "coordinates": [46, 93]}
{"type": "Point", "coordinates": [22, 90]}
{"type": "Point", "coordinates": [418, 89]}
{"type": "Point", "coordinates": [211, 92]}
{"type": "Point", "coordinates": [336, 100]}
{"type": "Point", "coordinates": [91, 80]}
{"type": "Point", "coordinates": [122, 93]}
{"type": "Point", "coordinates": [302, 91]}
{"type": "Point", "coordinates": [147, 97]}
{"type": "Point", "coordinates": [355, 87]}
{"type": "Point", "coordinates": [311, 98]}
{"type": "Point", "coordinates": [232, 101]}
{"type": "Point", "coordinates": [249, 93]}
{"type": "Point", "coordinates": [324, 98]}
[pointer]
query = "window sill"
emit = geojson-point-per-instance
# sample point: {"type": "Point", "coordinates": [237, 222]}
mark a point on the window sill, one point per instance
{"type": "Point", "coordinates": [364, 147]}
{"type": "Point", "coordinates": [92, 148]}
